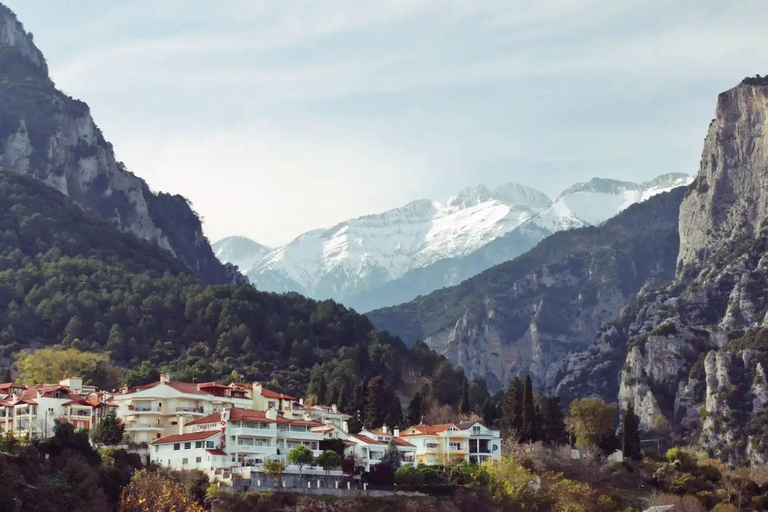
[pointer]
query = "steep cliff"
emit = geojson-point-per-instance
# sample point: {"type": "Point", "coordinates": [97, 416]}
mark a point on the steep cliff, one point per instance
{"type": "Point", "coordinates": [696, 349]}
{"type": "Point", "coordinates": [527, 315]}
{"type": "Point", "coordinates": [49, 136]}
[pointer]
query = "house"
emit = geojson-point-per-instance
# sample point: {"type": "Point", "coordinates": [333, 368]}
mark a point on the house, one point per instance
{"type": "Point", "coordinates": [328, 414]}
{"type": "Point", "coordinates": [370, 445]}
{"type": "Point", "coordinates": [155, 410]}
{"type": "Point", "coordinates": [264, 399]}
{"type": "Point", "coordinates": [438, 444]}
{"type": "Point", "coordinates": [34, 411]}
{"type": "Point", "coordinates": [484, 443]}
{"type": "Point", "coordinates": [242, 438]}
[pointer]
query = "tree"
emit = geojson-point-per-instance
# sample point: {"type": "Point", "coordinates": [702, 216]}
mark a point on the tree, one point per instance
{"type": "Point", "coordinates": [379, 403]}
{"type": "Point", "coordinates": [512, 419]}
{"type": "Point", "coordinates": [274, 469]}
{"type": "Point", "coordinates": [155, 491]}
{"type": "Point", "coordinates": [49, 365]}
{"type": "Point", "coordinates": [630, 433]}
{"type": "Point", "coordinates": [553, 428]}
{"type": "Point", "coordinates": [414, 410]}
{"type": "Point", "coordinates": [109, 431]}
{"type": "Point", "coordinates": [392, 455]}
{"type": "Point", "coordinates": [464, 407]}
{"type": "Point", "coordinates": [300, 456]}
{"type": "Point", "coordinates": [321, 390]}
{"type": "Point", "coordinates": [591, 423]}
{"type": "Point", "coordinates": [489, 413]}
{"type": "Point", "coordinates": [528, 419]}
{"type": "Point", "coordinates": [349, 464]}
{"type": "Point", "coordinates": [329, 459]}
{"type": "Point", "coordinates": [395, 414]}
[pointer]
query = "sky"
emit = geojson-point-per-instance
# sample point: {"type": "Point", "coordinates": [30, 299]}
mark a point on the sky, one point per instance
{"type": "Point", "coordinates": [275, 118]}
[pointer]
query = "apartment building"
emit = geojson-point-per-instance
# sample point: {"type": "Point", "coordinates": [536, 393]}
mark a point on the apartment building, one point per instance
{"type": "Point", "coordinates": [453, 442]}
{"type": "Point", "coordinates": [34, 411]}
{"type": "Point", "coordinates": [240, 437]}
{"type": "Point", "coordinates": [369, 446]}
{"type": "Point", "coordinates": [155, 410]}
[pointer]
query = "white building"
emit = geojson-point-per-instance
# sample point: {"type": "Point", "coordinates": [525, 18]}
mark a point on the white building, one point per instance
{"type": "Point", "coordinates": [34, 411]}
{"type": "Point", "coordinates": [240, 437]}
{"type": "Point", "coordinates": [158, 409]}
{"type": "Point", "coordinates": [369, 446]}
{"type": "Point", "coordinates": [484, 443]}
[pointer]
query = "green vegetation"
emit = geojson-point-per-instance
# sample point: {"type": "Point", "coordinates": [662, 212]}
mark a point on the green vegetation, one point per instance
{"type": "Point", "coordinates": [592, 424]}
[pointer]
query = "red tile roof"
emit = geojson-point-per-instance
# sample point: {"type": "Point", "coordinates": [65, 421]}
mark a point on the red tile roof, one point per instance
{"type": "Point", "coordinates": [192, 436]}
{"type": "Point", "coordinates": [430, 430]}
{"type": "Point", "coordinates": [216, 452]}
{"type": "Point", "coordinates": [403, 442]}
{"type": "Point", "coordinates": [268, 393]}
{"type": "Point", "coordinates": [367, 439]}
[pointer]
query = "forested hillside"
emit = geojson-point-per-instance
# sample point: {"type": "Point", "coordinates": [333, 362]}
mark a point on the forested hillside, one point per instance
{"type": "Point", "coordinates": [70, 279]}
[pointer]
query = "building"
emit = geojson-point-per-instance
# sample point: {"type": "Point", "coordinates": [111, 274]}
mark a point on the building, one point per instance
{"type": "Point", "coordinates": [264, 399]}
{"type": "Point", "coordinates": [438, 444]}
{"type": "Point", "coordinates": [155, 410]}
{"type": "Point", "coordinates": [241, 438]}
{"type": "Point", "coordinates": [328, 414]}
{"type": "Point", "coordinates": [484, 443]}
{"type": "Point", "coordinates": [369, 446]}
{"type": "Point", "coordinates": [34, 411]}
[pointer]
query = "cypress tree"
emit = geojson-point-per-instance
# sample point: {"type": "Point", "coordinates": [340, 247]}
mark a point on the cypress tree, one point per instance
{"type": "Point", "coordinates": [512, 408]}
{"type": "Point", "coordinates": [321, 391]}
{"type": "Point", "coordinates": [489, 413]}
{"type": "Point", "coordinates": [528, 431]}
{"type": "Point", "coordinates": [630, 433]}
{"type": "Point", "coordinates": [378, 405]}
{"type": "Point", "coordinates": [553, 423]}
{"type": "Point", "coordinates": [464, 402]}
{"type": "Point", "coordinates": [340, 399]}
{"type": "Point", "coordinates": [414, 410]}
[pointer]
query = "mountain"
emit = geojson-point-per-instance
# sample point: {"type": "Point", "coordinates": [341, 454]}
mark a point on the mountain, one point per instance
{"type": "Point", "coordinates": [393, 257]}
{"type": "Point", "coordinates": [240, 251]}
{"type": "Point", "coordinates": [47, 135]}
{"type": "Point", "coordinates": [524, 316]}
{"type": "Point", "coordinates": [693, 353]}
{"type": "Point", "coordinates": [71, 279]}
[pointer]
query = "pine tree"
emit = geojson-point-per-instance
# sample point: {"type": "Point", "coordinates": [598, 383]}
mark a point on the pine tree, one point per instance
{"type": "Point", "coordinates": [464, 402]}
{"type": "Point", "coordinates": [630, 433]}
{"type": "Point", "coordinates": [512, 419]}
{"type": "Point", "coordinates": [489, 413]}
{"type": "Point", "coordinates": [528, 421]}
{"type": "Point", "coordinates": [395, 414]}
{"type": "Point", "coordinates": [392, 456]}
{"type": "Point", "coordinates": [377, 409]}
{"type": "Point", "coordinates": [414, 410]}
{"type": "Point", "coordinates": [553, 428]}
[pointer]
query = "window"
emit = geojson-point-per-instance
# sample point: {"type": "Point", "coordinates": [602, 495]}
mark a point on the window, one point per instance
{"type": "Point", "coordinates": [476, 429]}
{"type": "Point", "coordinates": [198, 444]}
{"type": "Point", "coordinates": [176, 447]}
{"type": "Point", "coordinates": [199, 460]}
{"type": "Point", "coordinates": [432, 445]}
{"type": "Point", "coordinates": [185, 460]}
{"type": "Point", "coordinates": [209, 444]}
{"type": "Point", "coordinates": [455, 445]}
{"type": "Point", "coordinates": [157, 448]}
{"type": "Point", "coordinates": [187, 446]}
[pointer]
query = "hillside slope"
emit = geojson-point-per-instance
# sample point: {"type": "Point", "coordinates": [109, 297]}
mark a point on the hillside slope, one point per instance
{"type": "Point", "coordinates": [68, 278]}
{"type": "Point", "coordinates": [49, 136]}
{"type": "Point", "coordinates": [526, 315]}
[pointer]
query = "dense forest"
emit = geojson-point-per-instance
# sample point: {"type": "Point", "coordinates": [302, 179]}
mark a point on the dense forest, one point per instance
{"type": "Point", "coordinates": [70, 280]}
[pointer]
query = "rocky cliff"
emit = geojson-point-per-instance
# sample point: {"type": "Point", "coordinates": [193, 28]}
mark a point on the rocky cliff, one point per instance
{"type": "Point", "coordinates": [526, 315]}
{"type": "Point", "coordinates": [52, 137]}
{"type": "Point", "coordinates": [696, 349]}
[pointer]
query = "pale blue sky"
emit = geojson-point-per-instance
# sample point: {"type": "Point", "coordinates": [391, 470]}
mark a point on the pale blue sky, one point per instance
{"type": "Point", "coordinates": [279, 117]}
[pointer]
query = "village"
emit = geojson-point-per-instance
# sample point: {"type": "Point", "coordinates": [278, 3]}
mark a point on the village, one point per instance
{"type": "Point", "coordinates": [231, 431]}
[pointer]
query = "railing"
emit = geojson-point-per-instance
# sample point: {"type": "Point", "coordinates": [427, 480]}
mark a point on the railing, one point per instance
{"type": "Point", "coordinates": [193, 410]}
{"type": "Point", "coordinates": [142, 426]}
{"type": "Point", "coordinates": [140, 408]}
{"type": "Point", "coordinates": [80, 413]}
{"type": "Point", "coordinates": [255, 450]}
{"type": "Point", "coordinates": [246, 431]}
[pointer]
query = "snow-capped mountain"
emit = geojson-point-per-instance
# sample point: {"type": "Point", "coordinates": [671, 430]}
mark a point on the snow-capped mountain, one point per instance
{"type": "Point", "coordinates": [392, 257]}
{"type": "Point", "coordinates": [240, 251]}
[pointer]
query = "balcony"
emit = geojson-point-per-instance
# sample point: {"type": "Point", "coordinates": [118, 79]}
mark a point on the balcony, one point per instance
{"type": "Point", "coordinates": [253, 432]}
{"type": "Point", "coordinates": [139, 409]}
{"type": "Point", "coordinates": [190, 410]}
{"type": "Point", "coordinates": [132, 427]}
{"type": "Point", "coordinates": [80, 414]}
{"type": "Point", "coordinates": [253, 450]}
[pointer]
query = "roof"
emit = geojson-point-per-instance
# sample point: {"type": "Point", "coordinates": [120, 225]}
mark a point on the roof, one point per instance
{"type": "Point", "coordinates": [216, 451]}
{"type": "Point", "coordinates": [403, 442]}
{"type": "Point", "coordinates": [240, 414]}
{"type": "Point", "coordinates": [366, 439]}
{"type": "Point", "coordinates": [429, 430]}
{"type": "Point", "coordinates": [192, 436]}
{"type": "Point", "coordinates": [466, 424]}
{"type": "Point", "coordinates": [8, 385]}
{"type": "Point", "coordinates": [268, 393]}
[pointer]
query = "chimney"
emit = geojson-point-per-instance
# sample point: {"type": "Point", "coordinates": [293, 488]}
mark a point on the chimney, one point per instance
{"type": "Point", "coordinates": [396, 431]}
{"type": "Point", "coordinates": [384, 428]}
{"type": "Point", "coordinates": [271, 413]}
{"type": "Point", "coordinates": [334, 409]}
{"type": "Point", "coordinates": [301, 401]}
{"type": "Point", "coordinates": [164, 378]}
{"type": "Point", "coordinates": [182, 422]}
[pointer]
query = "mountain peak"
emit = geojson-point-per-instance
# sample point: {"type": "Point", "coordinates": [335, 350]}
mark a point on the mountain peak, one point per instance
{"type": "Point", "coordinates": [511, 194]}
{"type": "Point", "coordinates": [13, 35]}
{"type": "Point", "coordinates": [601, 185]}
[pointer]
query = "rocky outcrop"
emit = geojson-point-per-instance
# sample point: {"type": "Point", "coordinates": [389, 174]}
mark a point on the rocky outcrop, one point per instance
{"type": "Point", "coordinates": [52, 137]}
{"type": "Point", "coordinates": [528, 315]}
{"type": "Point", "coordinates": [696, 349]}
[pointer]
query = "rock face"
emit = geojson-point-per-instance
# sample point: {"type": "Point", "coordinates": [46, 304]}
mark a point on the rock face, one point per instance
{"type": "Point", "coordinates": [527, 315]}
{"type": "Point", "coordinates": [52, 137]}
{"type": "Point", "coordinates": [696, 349]}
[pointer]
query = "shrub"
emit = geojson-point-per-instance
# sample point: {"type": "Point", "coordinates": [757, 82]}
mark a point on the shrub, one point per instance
{"type": "Point", "coordinates": [409, 475]}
